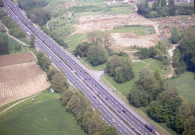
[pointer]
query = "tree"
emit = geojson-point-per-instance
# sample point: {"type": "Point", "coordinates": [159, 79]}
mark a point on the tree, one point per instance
{"type": "Point", "coordinates": [110, 131]}
{"type": "Point", "coordinates": [32, 41]}
{"type": "Point", "coordinates": [97, 55]}
{"type": "Point", "coordinates": [138, 98]}
{"type": "Point", "coordinates": [59, 82]}
{"type": "Point", "coordinates": [154, 5]}
{"type": "Point", "coordinates": [174, 35]}
{"type": "Point", "coordinates": [163, 3]}
{"type": "Point", "coordinates": [171, 7]}
{"type": "Point", "coordinates": [43, 61]}
{"type": "Point", "coordinates": [4, 46]}
{"type": "Point", "coordinates": [100, 38]}
{"type": "Point", "coordinates": [187, 48]}
{"type": "Point", "coordinates": [120, 68]}
{"type": "Point", "coordinates": [1, 3]}
{"type": "Point", "coordinates": [82, 49]}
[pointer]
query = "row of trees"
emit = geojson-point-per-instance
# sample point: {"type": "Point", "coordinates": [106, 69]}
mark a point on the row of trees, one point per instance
{"type": "Point", "coordinates": [54, 36]}
{"type": "Point", "coordinates": [35, 10]}
{"type": "Point", "coordinates": [4, 46]}
{"type": "Point", "coordinates": [90, 120]}
{"type": "Point", "coordinates": [14, 29]}
{"type": "Point", "coordinates": [162, 8]}
{"type": "Point", "coordinates": [184, 55]}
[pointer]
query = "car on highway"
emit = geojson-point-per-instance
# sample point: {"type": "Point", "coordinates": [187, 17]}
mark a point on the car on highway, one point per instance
{"type": "Point", "coordinates": [124, 111]}
{"type": "Point", "coordinates": [106, 98]}
{"type": "Point", "coordinates": [113, 120]}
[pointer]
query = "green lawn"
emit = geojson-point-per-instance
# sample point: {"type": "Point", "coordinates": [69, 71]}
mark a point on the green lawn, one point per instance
{"type": "Point", "coordinates": [136, 29]}
{"type": "Point", "coordinates": [97, 68]}
{"type": "Point", "coordinates": [74, 40]}
{"type": "Point", "coordinates": [185, 84]}
{"type": "Point", "coordinates": [46, 117]}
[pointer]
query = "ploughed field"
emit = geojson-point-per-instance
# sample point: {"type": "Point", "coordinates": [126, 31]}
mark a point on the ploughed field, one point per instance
{"type": "Point", "coordinates": [20, 77]}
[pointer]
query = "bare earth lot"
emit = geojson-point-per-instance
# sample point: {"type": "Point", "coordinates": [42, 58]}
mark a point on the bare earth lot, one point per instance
{"type": "Point", "coordinates": [20, 80]}
{"type": "Point", "coordinates": [108, 22]}
{"type": "Point", "coordinates": [7, 60]}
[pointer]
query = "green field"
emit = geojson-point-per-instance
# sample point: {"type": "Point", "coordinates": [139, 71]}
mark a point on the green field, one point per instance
{"type": "Point", "coordinates": [136, 29]}
{"type": "Point", "coordinates": [43, 116]}
{"type": "Point", "coordinates": [74, 40]}
{"type": "Point", "coordinates": [185, 84]}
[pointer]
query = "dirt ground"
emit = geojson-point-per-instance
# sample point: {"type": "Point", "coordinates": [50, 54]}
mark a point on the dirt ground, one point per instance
{"type": "Point", "coordinates": [20, 80]}
{"type": "Point", "coordinates": [108, 22]}
{"type": "Point", "coordinates": [13, 59]}
{"type": "Point", "coordinates": [180, 22]}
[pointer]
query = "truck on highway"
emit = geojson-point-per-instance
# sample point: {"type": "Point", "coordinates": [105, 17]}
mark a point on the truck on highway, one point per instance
{"type": "Point", "coordinates": [151, 128]}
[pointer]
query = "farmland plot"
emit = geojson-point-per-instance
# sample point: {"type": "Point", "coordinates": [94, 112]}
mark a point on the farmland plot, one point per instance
{"type": "Point", "coordinates": [13, 59]}
{"type": "Point", "coordinates": [20, 80]}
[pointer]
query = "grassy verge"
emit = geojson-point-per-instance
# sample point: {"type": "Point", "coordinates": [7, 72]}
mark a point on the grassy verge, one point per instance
{"type": "Point", "coordinates": [96, 68]}
{"type": "Point", "coordinates": [185, 84]}
{"type": "Point", "coordinates": [45, 117]}
{"type": "Point", "coordinates": [25, 40]}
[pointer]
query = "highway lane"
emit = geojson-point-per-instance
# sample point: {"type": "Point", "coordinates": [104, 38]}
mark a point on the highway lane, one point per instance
{"type": "Point", "coordinates": [115, 104]}
{"type": "Point", "coordinates": [76, 82]}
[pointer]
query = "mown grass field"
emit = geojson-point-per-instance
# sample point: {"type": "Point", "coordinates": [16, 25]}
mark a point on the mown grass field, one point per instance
{"type": "Point", "coordinates": [44, 115]}
{"type": "Point", "coordinates": [136, 29]}
{"type": "Point", "coordinates": [185, 84]}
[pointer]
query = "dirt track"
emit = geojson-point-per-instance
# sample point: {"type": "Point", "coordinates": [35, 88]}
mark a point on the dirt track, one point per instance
{"type": "Point", "coordinates": [108, 22]}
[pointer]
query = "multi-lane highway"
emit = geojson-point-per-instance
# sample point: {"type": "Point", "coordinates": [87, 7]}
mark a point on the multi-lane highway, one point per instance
{"type": "Point", "coordinates": [113, 109]}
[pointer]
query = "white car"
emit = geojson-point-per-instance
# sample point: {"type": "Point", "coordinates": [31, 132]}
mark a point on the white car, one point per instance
{"type": "Point", "coordinates": [113, 120]}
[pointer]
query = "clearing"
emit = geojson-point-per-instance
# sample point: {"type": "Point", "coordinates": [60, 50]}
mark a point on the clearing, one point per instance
{"type": "Point", "coordinates": [21, 79]}
{"type": "Point", "coordinates": [122, 40]}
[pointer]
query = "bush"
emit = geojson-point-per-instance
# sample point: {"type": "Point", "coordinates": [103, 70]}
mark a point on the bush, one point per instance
{"type": "Point", "coordinates": [96, 55]}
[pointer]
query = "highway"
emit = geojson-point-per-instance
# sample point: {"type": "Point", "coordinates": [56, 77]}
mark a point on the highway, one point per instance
{"type": "Point", "coordinates": [127, 122]}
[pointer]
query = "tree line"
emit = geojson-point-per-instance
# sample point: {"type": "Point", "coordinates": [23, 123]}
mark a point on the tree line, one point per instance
{"type": "Point", "coordinates": [35, 10]}
{"type": "Point", "coordinates": [54, 36]}
{"type": "Point", "coordinates": [184, 55]}
{"type": "Point", "coordinates": [163, 8]}
{"type": "Point", "coordinates": [74, 100]}
{"type": "Point", "coordinates": [14, 29]}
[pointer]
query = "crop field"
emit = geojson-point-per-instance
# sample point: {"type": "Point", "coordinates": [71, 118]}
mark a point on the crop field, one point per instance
{"type": "Point", "coordinates": [20, 76]}
{"type": "Point", "coordinates": [40, 117]}
{"type": "Point", "coordinates": [13, 59]}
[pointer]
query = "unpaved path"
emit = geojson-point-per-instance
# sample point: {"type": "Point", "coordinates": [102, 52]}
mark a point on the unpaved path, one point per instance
{"type": "Point", "coordinates": [18, 103]}
{"type": "Point", "coordinates": [171, 51]}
